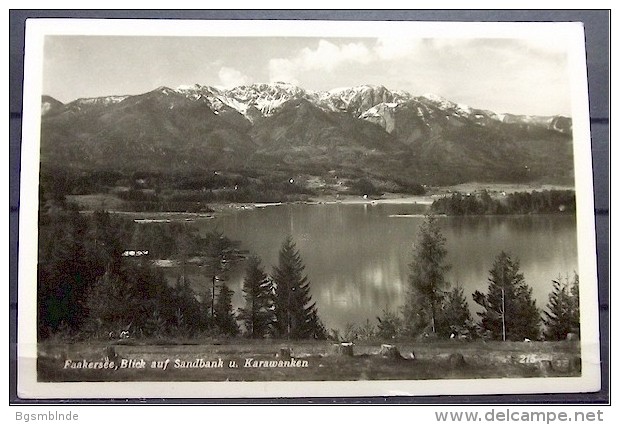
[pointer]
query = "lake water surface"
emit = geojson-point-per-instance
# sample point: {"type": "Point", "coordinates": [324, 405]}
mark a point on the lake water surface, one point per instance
{"type": "Point", "coordinates": [357, 255]}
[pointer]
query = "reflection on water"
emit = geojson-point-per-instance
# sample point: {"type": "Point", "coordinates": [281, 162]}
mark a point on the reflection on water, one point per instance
{"type": "Point", "coordinates": [357, 256]}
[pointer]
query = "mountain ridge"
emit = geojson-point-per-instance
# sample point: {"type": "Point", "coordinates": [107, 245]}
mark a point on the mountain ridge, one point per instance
{"type": "Point", "coordinates": [266, 97]}
{"type": "Point", "coordinates": [369, 129]}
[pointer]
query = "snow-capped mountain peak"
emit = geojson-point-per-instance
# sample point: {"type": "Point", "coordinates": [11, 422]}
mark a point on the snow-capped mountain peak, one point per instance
{"type": "Point", "coordinates": [373, 103]}
{"type": "Point", "coordinates": [273, 92]}
{"type": "Point", "coordinates": [249, 100]}
{"type": "Point", "coordinates": [370, 130]}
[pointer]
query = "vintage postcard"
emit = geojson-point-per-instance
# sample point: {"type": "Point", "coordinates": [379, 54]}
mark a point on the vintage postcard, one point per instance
{"type": "Point", "coordinates": [215, 209]}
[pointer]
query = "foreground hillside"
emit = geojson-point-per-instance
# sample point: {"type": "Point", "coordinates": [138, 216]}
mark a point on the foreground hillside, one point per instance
{"type": "Point", "coordinates": [266, 360]}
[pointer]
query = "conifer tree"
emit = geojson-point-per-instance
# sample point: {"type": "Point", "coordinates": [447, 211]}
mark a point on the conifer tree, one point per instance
{"type": "Point", "coordinates": [574, 291]}
{"type": "Point", "coordinates": [296, 314]}
{"type": "Point", "coordinates": [562, 314]}
{"type": "Point", "coordinates": [426, 277]}
{"type": "Point", "coordinates": [454, 316]}
{"type": "Point", "coordinates": [183, 304]}
{"type": "Point", "coordinates": [220, 252]}
{"type": "Point", "coordinates": [510, 312]}
{"type": "Point", "coordinates": [224, 317]}
{"type": "Point", "coordinates": [257, 314]}
{"type": "Point", "coordinates": [109, 302]}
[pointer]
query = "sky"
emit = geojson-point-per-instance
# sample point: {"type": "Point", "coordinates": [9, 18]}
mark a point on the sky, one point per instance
{"type": "Point", "coordinates": [521, 76]}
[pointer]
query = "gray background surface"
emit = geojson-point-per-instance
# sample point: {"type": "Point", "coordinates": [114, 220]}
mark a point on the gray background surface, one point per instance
{"type": "Point", "coordinates": [597, 28]}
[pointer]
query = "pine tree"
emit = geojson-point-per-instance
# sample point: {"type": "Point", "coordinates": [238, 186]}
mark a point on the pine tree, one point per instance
{"type": "Point", "coordinates": [574, 291]}
{"type": "Point", "coordinates": [510, 312]}
{"type": "Point", "coordinates": [426, 277]}
{"type": "Point", "coordinates": [74, 252]}
{"type": "Point", "coordinates": [225, 319]}
{"type": "Point", "coordinates": [257, 314]}
{"type": "Point", "coordinates": [220, 252]}
{"type": "Point", "coordinates": [111, 305]}
{"type": "Point", "coordinates": [562, 314]}
{"type": "Point", "coordinates": [454, 317]}
{"type": "Point", "coordinates": [184, 246]}
{"type": "Point", "coordinates": [296, 314]}
{"type": "Point", "coordinates": [183, 304]}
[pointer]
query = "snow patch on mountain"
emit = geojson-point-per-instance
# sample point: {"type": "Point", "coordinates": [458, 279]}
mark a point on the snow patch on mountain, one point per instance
{"type": "Point", "coordinates": [456, 109]}
{"type": "Point", "coordinates": [382, 114]}
{"type": "Point", "coordinates": [105, 100]}
{"type": "Point", "coordinates": [45, 107]}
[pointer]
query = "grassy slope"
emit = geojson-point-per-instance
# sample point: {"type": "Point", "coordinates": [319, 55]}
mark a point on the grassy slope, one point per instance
{"type": "Point", "coordinates": [483, 360]}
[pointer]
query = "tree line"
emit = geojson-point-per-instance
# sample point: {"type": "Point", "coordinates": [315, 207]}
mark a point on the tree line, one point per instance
{"type": "Point", "coordinates": [544, 202]}
{"type": "Point", "coordinates": [508, 310]}
{"type": "Point", "coordinates": [88, 287]}
{"type": "Point", "coordinates": [434, 308]}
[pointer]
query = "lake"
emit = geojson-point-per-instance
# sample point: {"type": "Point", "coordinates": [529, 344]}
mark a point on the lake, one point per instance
{"type": "Point", "coordinates": [357, 255]}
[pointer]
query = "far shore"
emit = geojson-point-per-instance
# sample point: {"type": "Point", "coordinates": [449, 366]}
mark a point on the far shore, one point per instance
{"type": "Point", "coordinates": [494, 189]}
{"type": "Point", "coordinates": [224, 207]}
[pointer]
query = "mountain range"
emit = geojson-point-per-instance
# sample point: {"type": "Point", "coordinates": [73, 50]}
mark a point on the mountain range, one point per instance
{"type": "Point", "coordinates": [361, 131]}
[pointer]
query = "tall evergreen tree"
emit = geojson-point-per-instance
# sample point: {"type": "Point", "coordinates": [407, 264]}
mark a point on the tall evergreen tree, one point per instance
{"type": "Point", "coordinates": [574, 291]}
{"type": "Point", "coordinates": [562, 314]}
{"type": "Point", "coordinates": [510, 312]}
{"type": "Point", "coordinates": [126, 298]}
{"type": "Point", "coordinates": [185, 240]}
{"type": "Point", "coordinates": [427, 277]}
{"type": "Point", "coordinates": [74, 251]}
{"type": "Point", "coordinates": [454, 316]}
{"type": "Point", "coordinates": [225, 319]}
{"type": "Point", "coordinates": [296, 314]}
{"type": "Point", "coordinates": [257, 314]}
{"type": "Point", "coordinates": [188, 312]}
{"type": "Point", "coordinates": [109, 303]}
{"type": "Point", "coordinates": [220, 252]}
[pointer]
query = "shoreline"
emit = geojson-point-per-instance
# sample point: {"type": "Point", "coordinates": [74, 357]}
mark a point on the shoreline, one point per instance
{"type": "Point", "coordinates": [219, 208]}
{"type": "Point", "coordinates": [224, 207]}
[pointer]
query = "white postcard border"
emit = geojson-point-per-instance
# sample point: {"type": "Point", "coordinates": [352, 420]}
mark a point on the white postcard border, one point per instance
{"type": "Point", "coordinates": [569, 33]}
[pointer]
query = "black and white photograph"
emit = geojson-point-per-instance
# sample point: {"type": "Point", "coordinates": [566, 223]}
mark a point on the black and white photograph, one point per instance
{"type": "Point", "coordinates": [279, 208]}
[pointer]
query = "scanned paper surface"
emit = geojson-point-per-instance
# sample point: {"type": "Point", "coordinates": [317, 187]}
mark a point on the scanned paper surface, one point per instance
{"type": "Point", "coordinates": [305, 204]}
